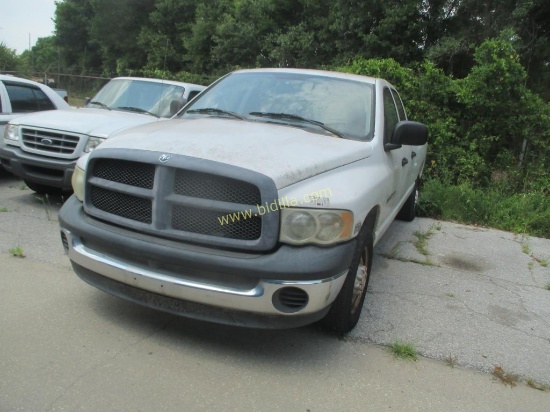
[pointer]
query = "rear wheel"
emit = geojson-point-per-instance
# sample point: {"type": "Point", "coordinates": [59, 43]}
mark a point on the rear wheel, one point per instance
{"type": "Point", "coordinates": [408, 210]}
{"type": "Point", "coordinates": [346, 309]}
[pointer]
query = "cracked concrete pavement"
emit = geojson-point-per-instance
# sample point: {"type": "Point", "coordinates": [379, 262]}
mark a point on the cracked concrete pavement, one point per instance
{"type": "Point", "coordinates": [475, 298]}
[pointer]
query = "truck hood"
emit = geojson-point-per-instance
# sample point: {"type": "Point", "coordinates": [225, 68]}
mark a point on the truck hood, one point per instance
{"type": "Point", "coordinates": [88, 121]}
{"type": "Point", "coordinates": [286, 154]}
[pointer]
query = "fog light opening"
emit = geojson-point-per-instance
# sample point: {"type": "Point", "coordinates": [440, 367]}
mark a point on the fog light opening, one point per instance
{"type": "Point", "coordinates": [290, 299]}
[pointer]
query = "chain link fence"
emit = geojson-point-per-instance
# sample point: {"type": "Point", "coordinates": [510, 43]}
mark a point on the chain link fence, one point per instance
{"type": "Point", "coordinates": [78, 86]}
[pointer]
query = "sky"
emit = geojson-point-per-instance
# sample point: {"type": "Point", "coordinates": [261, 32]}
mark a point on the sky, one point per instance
{"type": "Point", "coordinates": [19, 18]}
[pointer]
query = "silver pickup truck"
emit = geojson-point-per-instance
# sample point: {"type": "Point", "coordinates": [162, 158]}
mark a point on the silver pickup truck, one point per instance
{"type": "Point", "coordinates": [42, 148]}
{"type": "Point", "coordinates": [259, 204]}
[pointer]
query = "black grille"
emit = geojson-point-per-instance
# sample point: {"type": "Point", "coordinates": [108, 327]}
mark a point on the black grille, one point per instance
{"type": "Point", "coordinates": [123, 205]}
{"type": "Point", "coordinates": [52, 142]}
{"type": "Point", "coordinates": [186, 199]}
{"type": "Point", "coordinates": [213, 223]}
{"type": "Point", "coordinates": [122, 171]}
{"type": "Point", "coordinates": [207, 186]}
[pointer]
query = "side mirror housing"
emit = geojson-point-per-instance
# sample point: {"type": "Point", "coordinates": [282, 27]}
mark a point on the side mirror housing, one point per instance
{"type": "Point", "coordinates": [408, 133]}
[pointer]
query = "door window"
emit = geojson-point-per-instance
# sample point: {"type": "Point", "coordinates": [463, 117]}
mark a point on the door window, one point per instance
{"type": "Point", "coordinates": [390, 115]}
{"type": "Point", "coordinates": [27, 98]}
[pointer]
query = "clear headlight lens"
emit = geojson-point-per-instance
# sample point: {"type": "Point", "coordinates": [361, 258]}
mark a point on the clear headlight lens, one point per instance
{"type": "Point", "coordinates": [77, 182]}
{"type": "Point", "coordinates": [11, 132]}
{"type": "Point", "coordinates": [300, 226]}
{"type": "Point", "coordinates": [92, 143]}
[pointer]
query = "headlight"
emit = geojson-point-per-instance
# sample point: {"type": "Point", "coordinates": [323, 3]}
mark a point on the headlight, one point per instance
{"type": "Point", "coordinates": [93, 142]}
{"type": "Point", "coordinates": [11, 132]}
{"type": "Point", "coordinates": [323, 226]}
{"type": "Point", "coordinates": [78, 183]}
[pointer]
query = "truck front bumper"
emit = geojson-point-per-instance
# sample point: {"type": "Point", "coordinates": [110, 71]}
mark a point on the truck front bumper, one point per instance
{"type": "Point", "coordinates": [38, 169]}
{"type": "Point", "coordinates": [288, 287]}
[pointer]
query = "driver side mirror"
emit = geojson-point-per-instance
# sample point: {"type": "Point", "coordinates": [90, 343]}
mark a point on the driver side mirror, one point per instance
{"type": "Point", "coordinates": [176, 105]}
{"type": "Point", "coordinates": [407, 133]}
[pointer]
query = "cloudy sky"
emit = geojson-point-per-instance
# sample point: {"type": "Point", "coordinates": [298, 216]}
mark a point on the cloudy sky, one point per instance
{"type": "Point", "coordinates": [19, 18]}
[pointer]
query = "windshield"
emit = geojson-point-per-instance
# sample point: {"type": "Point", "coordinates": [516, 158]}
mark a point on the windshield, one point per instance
{"type": "Point", "coordinates": [343, 106]}
{"type": "Point", "coordinates": [139, 96]}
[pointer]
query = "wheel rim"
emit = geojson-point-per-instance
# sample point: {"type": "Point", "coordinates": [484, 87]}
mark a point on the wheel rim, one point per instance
{"type": "Point", "coordinates": [360, 282]}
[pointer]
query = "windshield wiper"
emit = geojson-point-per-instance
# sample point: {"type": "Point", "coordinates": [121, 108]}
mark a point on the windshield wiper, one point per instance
{"type": "Point", "coordinates": [212, 110]}
{"type": "Point", "coordinates": [288, 116]}
{"type": "Point", "coordinates": [135, 109]}
{"type": "Point", "coordinates": [102, 105]}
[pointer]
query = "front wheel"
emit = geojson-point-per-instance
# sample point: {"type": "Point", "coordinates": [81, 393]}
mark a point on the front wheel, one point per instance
{"type": "Point", "coordinates": [44, 189]}
{"type": "Point", "coordinates": [346, 309]}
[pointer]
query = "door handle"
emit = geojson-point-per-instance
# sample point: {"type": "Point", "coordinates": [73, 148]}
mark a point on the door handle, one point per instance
{"type": "Point", "coordinates": [404, 162]}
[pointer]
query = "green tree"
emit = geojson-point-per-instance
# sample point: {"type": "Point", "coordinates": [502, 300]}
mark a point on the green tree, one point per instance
{"type": "Point", "coordinates": [8, 58]}
{"type": "Point", "coordinates": [72, 25]}
{"type": "Point", "coordinates": [163, 39]}
{"type": "Point", "coordinates": [115, 26]}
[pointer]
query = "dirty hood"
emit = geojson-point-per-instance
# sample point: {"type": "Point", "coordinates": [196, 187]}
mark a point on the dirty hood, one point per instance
{"type": "Point", "coordinates": [88, 121]}
{"type": "Point", "coordinates": [284, 153]}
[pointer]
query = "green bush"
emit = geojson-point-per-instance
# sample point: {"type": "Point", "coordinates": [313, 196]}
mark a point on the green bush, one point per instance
{"type": "Point", "coordinates": [519, 213]}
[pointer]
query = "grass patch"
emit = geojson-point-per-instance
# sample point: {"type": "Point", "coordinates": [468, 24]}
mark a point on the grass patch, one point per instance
{"type": "Point", "coordinates": [519, 212]}
{"type": "Point", "coordinates": [547, 287]}
{"type": "Point", "coordinates": [17, 251]}
{"type": "Point", "coordinates": [3, 209]}
{"type": "Point", "coordinates": [543, 262]}
{"type": "Point", "coordinates": [403, 350]}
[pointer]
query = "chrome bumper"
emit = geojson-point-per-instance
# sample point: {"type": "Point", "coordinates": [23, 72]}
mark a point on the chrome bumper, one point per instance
{"type": "Point", "coordinates": [258, 300]}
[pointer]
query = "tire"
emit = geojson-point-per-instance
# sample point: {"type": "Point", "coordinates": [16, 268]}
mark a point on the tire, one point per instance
{"type": "Point", "coordinates": [44, 189]}
{"type": "Point", "coordinates": [346, 309]}
{"type": "Point", "coordinates": [408, 210]}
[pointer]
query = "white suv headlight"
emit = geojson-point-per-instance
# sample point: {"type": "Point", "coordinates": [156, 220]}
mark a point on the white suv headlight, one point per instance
{"type": "Point", "coordinates": [11, 132]}
{"type": "Point", "coordinates": [320, 226]}
{"type": "Point", "coordinates": [92, 143]}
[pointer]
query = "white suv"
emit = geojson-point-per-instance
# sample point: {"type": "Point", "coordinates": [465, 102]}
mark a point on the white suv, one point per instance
{"type": "Point", "coordinates": [43, 148]}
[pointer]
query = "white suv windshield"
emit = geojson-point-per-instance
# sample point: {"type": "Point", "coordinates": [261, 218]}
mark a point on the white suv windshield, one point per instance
{"type": "Point", "coordinates": [138, 96]}
{"type": "Point", "coordinates": [341, 105]}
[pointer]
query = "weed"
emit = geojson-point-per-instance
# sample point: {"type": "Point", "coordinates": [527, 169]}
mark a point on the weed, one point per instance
{"type": "Point", "coordinates": [547, 287]}
{"type": "Point", "coordinates": [451, 360]}
{"type": "Point", "coordinates": [504, 377]}
{"type": "Point", "coordinates": [533, 384]}
{"type": "Point", "coordinates": [3, 209]}
{"type": "Point", "coordinates": [525, 248]}
{"type": "Point", "coordinates": [23, 186]}
{"type": "Point", "coordinates": [451, 295]}
{"type": "Point", "coordinates": [403, 350]}
{"type": "Point", "coordinates": [531, 265]}
{"type": "Point", "coordinates": [17, 251]}
{"type": "Point", "coordinates": [45, 200]}
{"type": "Point", "coordinates": [422, 238]}
{"type": "Point", "coordinates": [543, 262]}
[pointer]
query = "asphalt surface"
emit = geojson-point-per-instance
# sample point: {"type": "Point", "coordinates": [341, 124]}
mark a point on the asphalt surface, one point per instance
{"type": "Point", "coordinates": [465, 296]}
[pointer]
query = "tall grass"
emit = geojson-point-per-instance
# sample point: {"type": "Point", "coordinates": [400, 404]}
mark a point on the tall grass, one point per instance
{"type": "Point", "coordinates": [520, 213]}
